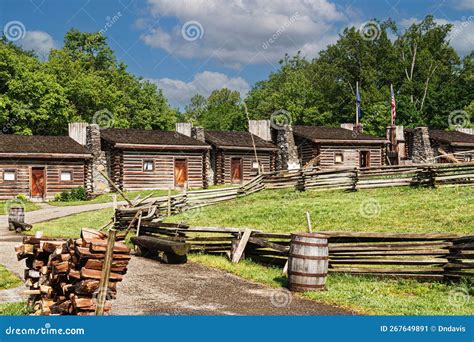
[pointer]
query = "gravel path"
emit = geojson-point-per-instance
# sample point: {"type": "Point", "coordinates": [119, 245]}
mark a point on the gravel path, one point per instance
{"type": "Point", "coordinates": [153, 288]}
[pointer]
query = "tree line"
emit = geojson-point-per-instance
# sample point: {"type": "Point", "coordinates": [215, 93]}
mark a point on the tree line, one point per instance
{"type": "Point", "coordinates": [83, 81]}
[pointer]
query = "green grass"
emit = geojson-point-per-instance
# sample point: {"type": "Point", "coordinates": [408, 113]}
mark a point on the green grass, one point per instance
{"type": "Point", "coordinates": [14, 309]}
{"type": "Point", "coordinates": [365, 295]}
{"type": "Point", "coordinates": [105, 198]}
{"type": "Point", "coordinates": [70, 226]}
{"type": "Point", "coordinates": [7, 279]}
{"type": "Point", "coordinates": [382, 210]}
{"type": "Point", "coordinates": [29, 206]}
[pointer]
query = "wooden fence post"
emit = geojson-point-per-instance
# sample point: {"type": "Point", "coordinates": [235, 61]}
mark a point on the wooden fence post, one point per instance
{"type": "Point", "coordinates": [169, 201]}
{"type": "Point", "coordinates": [105, 275]}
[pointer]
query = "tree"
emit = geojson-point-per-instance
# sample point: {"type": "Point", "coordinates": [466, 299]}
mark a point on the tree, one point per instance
{"type": "Point", "coordinates": [222, 110]}
{"type": "Point", "coordinates": [79, 82]}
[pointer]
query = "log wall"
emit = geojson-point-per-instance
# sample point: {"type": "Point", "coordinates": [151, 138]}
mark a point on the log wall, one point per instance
{"type": "Point", "coordinates": [222, 167]}
{"type": "Point", "coordinates": [129, 167]}
{"type": "Point", "coordinates": [53, 168]}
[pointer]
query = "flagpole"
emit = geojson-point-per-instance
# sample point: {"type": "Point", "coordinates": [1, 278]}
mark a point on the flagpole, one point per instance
{"type": "Point", "coordinates": [391, 114]}
{"type": "Point", "coordinates": [357, 105]}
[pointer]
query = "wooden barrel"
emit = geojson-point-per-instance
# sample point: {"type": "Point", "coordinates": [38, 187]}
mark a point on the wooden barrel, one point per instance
{"type": "Point", "coordinates": [16, 213]}
{"type": "Point", "coordinates": [308, 262]}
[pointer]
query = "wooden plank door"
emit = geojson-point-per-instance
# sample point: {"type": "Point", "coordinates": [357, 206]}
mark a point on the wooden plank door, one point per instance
{"type": "Point", "coordinates": [180, 172]}
{"type": "Point", "coordinates": [364, 159]}
{"type": "Point", "coordinates": [236, 170]}
{"type": "Point", "coordinates": [38, 184]}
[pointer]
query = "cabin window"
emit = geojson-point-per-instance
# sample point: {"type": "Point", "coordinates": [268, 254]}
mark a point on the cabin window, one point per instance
{"type": "Point", "coordinates": [467, 158]}
{"type": "Point", "coordinates": [339, 158]}
{"type": "Point", "coordinates": [9, 175]}
{"type": "Point", "coordinates": [66, 176]}
{"type": "Point", "coordinates": [148, 165]}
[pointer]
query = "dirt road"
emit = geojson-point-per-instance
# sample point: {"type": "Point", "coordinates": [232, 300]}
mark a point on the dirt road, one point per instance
{"type": "Point", "coordinates": [152, 288]}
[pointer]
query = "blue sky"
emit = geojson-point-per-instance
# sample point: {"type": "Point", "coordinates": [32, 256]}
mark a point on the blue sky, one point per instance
{"type": "Point", "coordinates": [232, 43]}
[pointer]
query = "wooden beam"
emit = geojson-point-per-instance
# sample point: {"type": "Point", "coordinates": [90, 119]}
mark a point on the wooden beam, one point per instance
{"type": "Point", "coordinates": [241, 246]}
{"type": "Point", "coordinates": [105, 274]}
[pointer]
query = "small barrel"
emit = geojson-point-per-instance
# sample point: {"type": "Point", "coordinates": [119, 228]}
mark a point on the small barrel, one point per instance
{"type": "Point", "coordinates": [16, 213]}
{"type": "Point", "coordinates": [308, 262]}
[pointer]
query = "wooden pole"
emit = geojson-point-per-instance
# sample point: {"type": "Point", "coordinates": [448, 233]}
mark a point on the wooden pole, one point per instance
{"type": "Point", "coordinates": [115, 187]}
{"type": "Point", "coordinates": [308, 220]}
{"type": "Point", "coordinates": [357, 105]}
{"type": "Point", "coordinates": [169, 201]}
{"type": "Point", "coordinates": [105, 275]}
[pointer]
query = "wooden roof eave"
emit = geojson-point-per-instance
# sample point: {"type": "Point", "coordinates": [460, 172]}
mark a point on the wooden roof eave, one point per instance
{"type": "Point", "coordinates": [344, 141]}
{"type": "Point", "coordinates": [162, 147]}
{"type": "Point", "coordinates": [245, 148]}
{"type": "Point", "coordinates": [46, 155]}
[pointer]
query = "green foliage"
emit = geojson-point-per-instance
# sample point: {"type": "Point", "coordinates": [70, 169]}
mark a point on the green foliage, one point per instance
{"type": "Point", "coordinates": [8, 280]}
{"type": "Point", "coordinates": [75, 83]}
{"type": "Point", "coordinates": [76, 194]}
{"type": "Point", "coordinates": [222, 110]}
{"type": "Point", "coordinates": [428, 77]}
{"type": "Point", "coordinates": [14, 309]}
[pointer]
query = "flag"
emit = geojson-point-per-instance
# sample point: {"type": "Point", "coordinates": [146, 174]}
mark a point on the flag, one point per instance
{"type": "Point", "coordinates": [359, 112]}
{"type": "Point", "coordinates": [393, 105]}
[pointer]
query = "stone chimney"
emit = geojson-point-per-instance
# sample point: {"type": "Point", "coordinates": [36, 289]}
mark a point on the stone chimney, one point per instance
{"type": "Point", "coordinates": [465, 130]}
{"type": "Point", "coordinates": [77, 131]}
{"type": "Point", "coordinates": [396, 136]}
{"type": "Point", "coordinates": [88, 135]}
{"type": "Point", "coordinates": [422, 150]}
{"type": "Point", "coordinates": [349, 126]}
{"type": "Point", "coordinates": [198, 134]}
{"type": "Point", "coordinates": [287, 158]}
{"type": "Point", "coordinates": [261, 128]}
{"type": "Point", "coordinates": [184, 128]}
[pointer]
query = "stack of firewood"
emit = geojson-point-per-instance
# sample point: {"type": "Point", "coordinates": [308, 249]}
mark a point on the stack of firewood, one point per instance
{"type": "Point", "coordinates": [63, 274]}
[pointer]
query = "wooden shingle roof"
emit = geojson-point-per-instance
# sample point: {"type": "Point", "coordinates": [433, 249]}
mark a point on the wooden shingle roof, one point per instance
{"type": "Point", "coordinates": [40, 145]}
{"type": "Point", "coordinates": [234, 139]}
{"type": "Point", "coordinates": [123, 137]}
{"type": "Point", "coordinates": [334, 134]}
{"type": "Point", "coordinates": [452, 137]}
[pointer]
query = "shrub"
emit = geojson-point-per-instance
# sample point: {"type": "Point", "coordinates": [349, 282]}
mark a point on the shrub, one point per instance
{"type": "Point", "coordinates": [76, 194]}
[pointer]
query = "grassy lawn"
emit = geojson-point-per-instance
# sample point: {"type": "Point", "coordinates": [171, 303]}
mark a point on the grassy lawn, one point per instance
{"type": "Point", "coordinates": [70, 226]}
{"type": "Point", "coordinates": [29, 206]}
{"type": "Point", "coordinates": [13, 309]}
{"type": "Point", "coordinates": [7, 279]}
{"type": "Point", "coordinates": [366, 295]}
{"type": "Point", "coordinates": [383, 210]}
{"type": "Point", "coordinates": [109, 197]}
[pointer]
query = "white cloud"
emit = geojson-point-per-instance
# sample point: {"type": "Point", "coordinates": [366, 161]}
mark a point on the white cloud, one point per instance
{"type": "Point", "coordinates": [179, 92]}
{"type": "Point", "coordinates": [242, 32]}
{"type": "Point", "coordinates": [461, 36]}
{"type": "Point", "coordinates": [464, 4]}
{"type": "Point", "coordinates": [39, 41]}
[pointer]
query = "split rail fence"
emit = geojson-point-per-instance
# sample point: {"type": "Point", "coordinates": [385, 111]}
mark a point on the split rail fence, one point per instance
{"type": "Point", "coordinates": [429, 256]}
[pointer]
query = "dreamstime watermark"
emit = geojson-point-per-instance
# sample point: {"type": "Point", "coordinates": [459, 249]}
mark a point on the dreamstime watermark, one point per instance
{"type": "Point", "coordinates": [281, 297]}
{"type": "Point", "coordinates": [192, 30]}
{"type": "Point", "coordinates": [280, 31]}
{"type": "Point", "coordinates": [370, 208]}
{"type": "Point", "coordinates": [457, 30]}
{"type": "Point", "coordinates": [14, 30]}
{"type": "Point", "coordinates": [103, 118]}
{"type": "Point", "coordinates": [192, 212]}
{"type": "Point", "coordinates": [459, 297]}
{"type": "Point", "coordinates": [370, 30]}
{"type": "Point", "coordinates": [45, 330]}
{"type": "Point", "coordinates": [280, 118]}
{"type": "Point", "coordinates": [9, 125]}
{"type": "Point", "coordinates": [14, 203]}
{"type": "Point", "coordinates": [459, 119]}
{"type": "Point", "coordinates": [110, 21]}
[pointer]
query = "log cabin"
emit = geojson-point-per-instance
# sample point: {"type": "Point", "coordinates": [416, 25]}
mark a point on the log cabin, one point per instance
{"type": "Point", "coordinates": [425, 145]}
{"type": "Point", "coordinates": [140, 159]}
{"type": "Point", "coordinates": [334, 147]}
{"type": "Point", "coordinates": [39, 167]}
{"type": "Point", "coordinates": [233, 157]}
